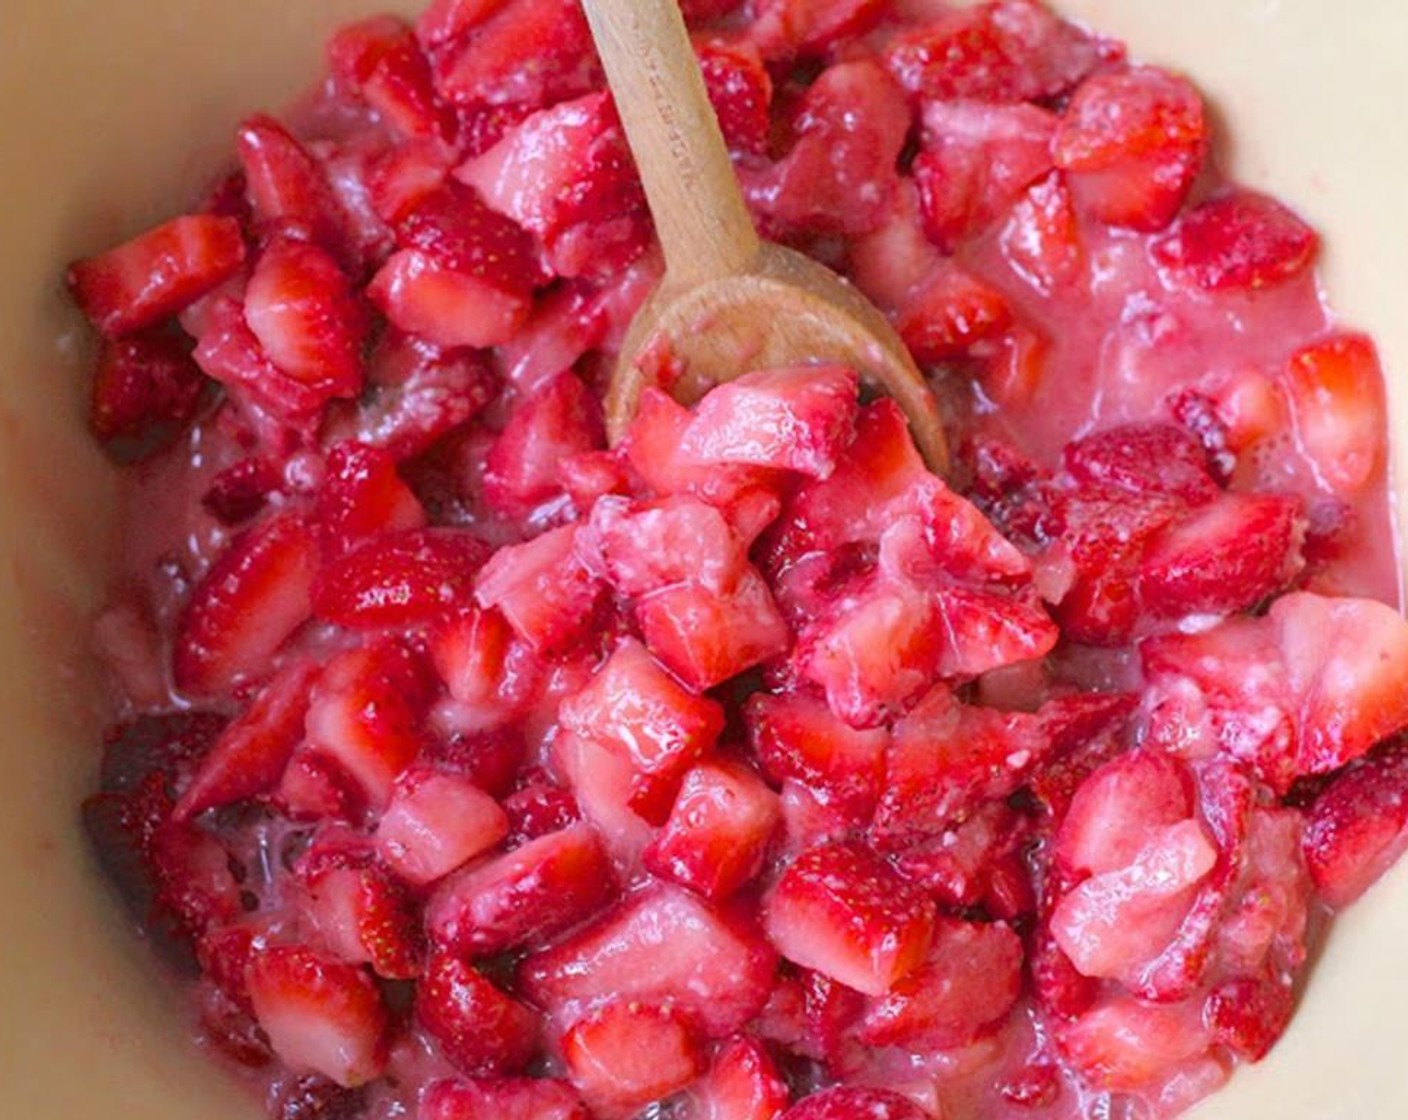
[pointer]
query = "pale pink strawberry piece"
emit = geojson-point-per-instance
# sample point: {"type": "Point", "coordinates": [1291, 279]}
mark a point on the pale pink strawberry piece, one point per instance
{"type": "Point", "coordinates": [299, 305]}
{"type": "Point", "coordinates": [250, 755]}
{"type": "Point", "coordinates": [642, 547]}
{"type": "Point", "coordinates": [504, 1098]}
{"type": "Point", "coordinates": [799, 738]}
{"type": "Point", "coordinates": [952, 310]}
{"type": "Point", "coordinates": [321, 1015]}
{"type": "Point", "coordinates": [1335, 388]}
{"type": "Point", "coordinates": [255, 595]}
{"type": "Point", "coordinates": [363, 916]}
{"type": "Point", "coordinates": [966, 986]}
{"type": "Point", "coordinates": [1228, 556]}
{"type": "Point", "coordinates": [740, 90]}
{"type": "Point", "coordinates": [479, 1029]}
{"type": "Point", "coordinates": [1041, 239]}
{"type": "Point", "coordinates": [635, 709]}
{"type": "Point", "coordinates": [400, 579]}
{"type": "Point", "coordinates": [524, 897]}
{"type": "Point", "coordinates": [719, 829]}
{"type": "Point", "coordinates": [981, 631]}
{"type": "Point", "coordinates": [934, 533]}
{"type": "Point", "coordinates": [1132, 142]}
{"type": "Point", "coordinates": [976, 161]}
{"type": "Point", "coordinates": [848, 1102]}
{"type": "Point", "coordinates": [1358, 826]}
{"type": "Point", "coordinates": [367, 713]}
{"type": "Point", "coordinates": [661, 945]}
{"type": "Point", "coordinates": [798, 419]}
{"type": "Point", "coordinates": [889, 263]}
{"type": "Point", "coordinates": [1237, 241]}
{"type": "Point", "coordinates": [380, 62]}
{"type": "Point", "coordinates": [786, 28]}
{"type": "Point", "coordinates": [1115, 922]}
{"type": "Point", "coordinates": [603, 782]}
{"type": "Point", "coordinates": [445, 306]}
{"type": "Point", "coordinates": [542, 588]}
{"type": "Point", "coordinates": [741, 1083]}
{"type": "Point", "coordinates": [1120, 809]}
{"type": "Point", "coordinates": [841, 910]}
{"type": "Point", "coordinates": [704, 638]}
{"type": "Point", "coordinates": [363, 496]}
{"type": "Point", "coordinates": [565, 324]}
{"type": "Point", "coordinates": [436, 822]}
{"type": "Point", "coordinates": [1144, 458]}
{"type": "Point", "coordinates": [566, 175]}
{"type": "Point", "coordinates": [146, 388]}
{"type": "Point", "coordinates": [1123, 1045]}
{"type": "Point", "coordinates": [156, 274]}
{"type": "Point", "coordinates": [625, 1054]}
{"type": "Point", "coordinates": [1007, 51]}
{"type": "Point", "coordinates": [523, 466]}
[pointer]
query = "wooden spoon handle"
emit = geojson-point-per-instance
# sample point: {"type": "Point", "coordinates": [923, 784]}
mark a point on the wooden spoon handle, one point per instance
{"type": "Point", "coordinates": [694, 197]}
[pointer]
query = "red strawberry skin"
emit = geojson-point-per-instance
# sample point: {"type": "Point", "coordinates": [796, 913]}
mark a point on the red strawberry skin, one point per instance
{"type": "Point", "coordinates": [1359, 825]}
{"type": "Point", "coordinates": [400, 579]}
{"type": "Point", "coordinates": [481, 1030]}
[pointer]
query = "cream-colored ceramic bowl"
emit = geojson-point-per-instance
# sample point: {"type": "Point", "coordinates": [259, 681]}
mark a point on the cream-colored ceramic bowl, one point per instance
{"type": "Point", "coordinates": [110, 111]}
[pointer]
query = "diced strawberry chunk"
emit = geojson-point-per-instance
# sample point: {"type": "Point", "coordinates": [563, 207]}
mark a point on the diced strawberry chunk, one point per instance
{"type": "Point", "coordinates": [242, 490]}
{"type": "Point", "coordinates": [524, 897]}
{"type": "Point", "coordinates": [367, 713]}
{"type": "Point", "coordinates": [949, 313]}
{"type": "Point", "coordinates": [1358, 827]}
{"type": "Point", "coordinates": [155, 275]}
{"type": "Point", "coordinates": [718, 831]}
{"type": "Point", "coordinates": [490, 759]}
{"type": "Point", "coordinates": [626, 1054]}
{"type": "Point", "coordinates": [603, 782]}
{"type": "Point", "coordinates": [363, 915]}
{"type": "Point", "coordinates": [1124, 1044]}
{"type": "Point", "coordinates": [228, 352]}
{"type": "Point", "coordinates": [978, 862]}
{"type": "Point", "coordinates": [799, 419]}
{"type": "Point", "coordinates": [841, 910]}
{"type": "Point", "coordinates": [982, 631]}
{"type": "Point", "coordinates": [400, 579]}
{"type": "Point", "coordinates": [436, 822]}
{"type": "Point", "coordinates": [523, 467]}
{"type": "Point", "coordinates": [479, 1029]}
{"type": "Point", "coordinates": [1041, 238]}
{"type": "Point", "coordinates": [380, 61]}
{"type": "Point", "coordinates": [740, 90]}
{"type": "Point", "coordinates": [807, 27]}
{"type": "Point", "coordinates": [635, 709]}
{"type": "Point", "coordinates": [321, 1015]}
{"type": "Point", "coordinates": [1132, 143]}
{"type": "Point", "coordinates": [542, 588]}
{"type": "Point", "coordinates": [538, 808]}
{"type": "Point", "coordinates": [146, 388]}
{"type": "Point", "coordinates": [445, 306]}
{"type": "Point", "coordinates": [849, 1102]}
{"type": "Point", "coordinates": [1238, 241]}
{"type": "Point", "coordinates": [1158, 458]}
{"type": "Point", "coordinates": [504, 1098]}
{"type": "Point", "coordinates": [643, 547]}
{"type": "Point", "coordinates": [1336, 393]}
{"type": "Point", "coordinates": [800, 738]}
{"type": "Point", "coordinates": [287, 188]}
{"type": "Point", "coordinates": [742, 1083]}
{"type": "Point", "coordinates": [447, 20]}
{"type": "Point", "coordinates": [363, 496]}
{"type": "Point", "coordinates": [662, 945]}
{"type": "Point", "coordinates": [315, 788]}
{"type": "Point", "coordinates": [254, 596]}
{"type": "Point", "coordinates": [965, 987]}
{"type": "Point", "coordinates": [1119, 810]}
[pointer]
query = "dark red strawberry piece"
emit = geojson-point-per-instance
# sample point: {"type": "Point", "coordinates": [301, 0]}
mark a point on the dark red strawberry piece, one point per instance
{"type": "Point", "coordinates": [1240, 241]}
{"type": "Point", "coordinates": [242, 490]}
{"type": "Point", "coordinates": [380, 61]}
{"type": "Point", "coordinates": [287, 188]}
{"type": "Point", "coordinates": [362, 496]}
{"type": "Point", "coordinates": [538, 808]}
{"type": "Point", "coordinates": [740, 90]}
{"type": "Point", "coordinates": [1359, 825]}
{"type": "Point", "coordinates": [170, 744]}
{"type": "Point", "coordinates": [950, 312]}
{"type": "Point", "coordinates": [978, 862]}
{"type": "Point", "coordinates": [145, 389]}
{"type": "Point", "coordinates": [847, 1102]}
{"type": "Point", "coordinates": [626, 1054]}
{"type": "Point", "coordinates": [1157, 458]}
{"type": "Point", "coordinates": [504, 1098]}
{"type": "Point", "coordinates": [479, 1029]}
{"type": "Point", "coordinates": [400, 579]}
{"type": "Point", "coordinates": [317, 1098]}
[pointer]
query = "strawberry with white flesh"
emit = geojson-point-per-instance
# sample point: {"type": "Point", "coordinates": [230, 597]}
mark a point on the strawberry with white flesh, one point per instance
{"type": "Point", "coordinates": [478, 1028]}
{"type": "Point", "coordinates": [434, 823]}
{"type": "Point", "coordinates": [741, 1083]}
{"type": "Point", "coordinates": [507, 1098]}
{"type": "Point", "coordinates": [626, 1054]}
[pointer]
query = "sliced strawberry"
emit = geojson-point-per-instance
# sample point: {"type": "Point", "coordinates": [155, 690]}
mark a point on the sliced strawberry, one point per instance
{"type": "Point", "coordinates": [321, 1015]}
{"type": "Point", "coordinates": [479, 1029]}
{"type": "Point", "coordinates": [1156, 458]}
{"type": "Point", "coordinates": [982, 631]}
{"type": "Point", "coordinates": [1123, 1044]}
{"type": "Point", "coordinates": [1041, 237]}
{"type": "Point", "coordinates": [1239, 241]}
{"type": "Point", "coordinates": [847, 1102]}
{"type": "Point", "coordinates": [626, 1054]}
{"type": "Point", "coordinates": [1336, 392]}
{"type": "Point", "coordinates": [965, 987]}
{"type": "Point", "coordinates": [719, 829]}
{"type": "Point", "coordinates": [542, 588]}
{"type": "Point", "coordinates": [523, 467]}
{"type": "Point", "coordinates": [287, 188]}
{"type": "Point", "coordinates": [155, 275]}
{"type": "Point", "coordinates": [841, 910]}
{"type": "Point", "coordinates": [1359, 826]}
{"type": "Point", "coordinates": [949, 313]}
{"type": "Point", "coordinates": [445, 306]}
{"type": "Point", "coordinates": [363, 496]}
{"type": "Point", "coordinates": [1119, 810]}
{"type": "Point", "coordinates": [436, 822]}
{"type": "Point", "coordinates": [740, 90]}
{"type": "Point", "coordinates": [504, 1098]}
{"type": "Point", "coordinates": [633, 708]}
{"type": "Point", "coordinates": [400, 579]}
{"type": "Point", "coordinates": [380, 61]}
{"type": "Point", "coordinates": [475, 654]}
{"type": "Point", "coordinates": [524, 897]}
{"type": "Point", "coordinates": [741, 1083]}
{"type": "Point", "coordinates": [661, 945]}
{"type": "Point", "coordinates": [251, 600]}
{"type": "Point", "coordinates": [146, 388]}
{"type": "Point", "coordinates": [364, 916]}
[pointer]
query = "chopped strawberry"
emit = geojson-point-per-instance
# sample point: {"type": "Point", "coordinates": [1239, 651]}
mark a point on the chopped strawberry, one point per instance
{"type": "Point", "coordinates": [503, 1098]}
{"type": "Point", "coordinates": [523, 897]}
{"type": "Point", "coordinates": [363, 496]}
{"type": "Point", "coordinates": [155, 275]}
{"type": "Point", "coordinates": [538, 808]}
{"type": "Point", "coordinates": [255, 595]}
{"type": "Point", "coordinates": [447, 307]}
{"type": "Point", "coordinates": [1123, 1044]}
{"type": "Point", "coordinates": [978, 862]}
{"type": "Point", "coordinates": [146, 389]}
{"type": "Point", "coordinates": [1132, 142]}
{"type": "Point", "coordinates": [804, 27]}
{"type": "Point", "coordinates": [543, 589]}
{"type": "Point", "coordinates": [321, 1015]}
{"type": "Point", "coordinates": [566, 323]}
{"type": "Point", "coordinates": [1041, 237]}
{"type": "Point", "coordinates": [1358, 826]}
{"type": "Point", "coordinates": [718, 832]}
{"type": "Point", "coordinates": [951, 311]}
{"type": "Point", "coordinates": [267, 398]}
{"type": "Point", "coordinates": [363, 915]}
{"type": "Point", "coordinates": [1119, 810]}
{"type": "Point", "coordinates": [523, 467]}
{"type": "Point", "coordinates": [400, 579]}
{"type": "Point", "coordinates": [287, 188]}
{"type": "Point", "coordinates": [475, 654]}
{"type": "Point", "coordinates": [644, 547]}
{"type": "Point", "coordinates": [741, 1083]}
{"type": "Point", "coordinates": [740, 90]}
{"type": "Point", "coordinates": [661, 945]}
{"type": "Point", "coordinates": [434, 823]}
{"type": "Point", "coordinates": [843, 911]}
{"type": "Point", "coordinates": [367, 712]}
{"type": "Point", "coordinates": [489, 759]}
{"type": "Point", "coordinates": [316, 1098]}
{"type": "Point", "coordinates": [380, 61]}
{"type": "Point", "coordinates": [982, 631]}
{"type": "Point", "coordinates": [1238, 241]}
{"type": "Point", "coordinates": [479, 1029]}
{"type": "Point", "coordinates": [846, 1102]}
{"type": "Point", "coordinates": [1336, 392]}
{"type": "Point", "coordinates": [965, 987]}
{"type": "Point", "coordinates": [242, 490]}
{"type": "Point", "coordinates": [633, 708]}
{"type": "Point", "coordinates": [603, 784]}
{"type": "Point", "coordinates": [626, 1054]}
{"type": "Point", "coordinates": [314, 788]}
{"type": "Point", "coordinates": [444, 21]}
{"type": "Point", "coordinates": [1158, 458]}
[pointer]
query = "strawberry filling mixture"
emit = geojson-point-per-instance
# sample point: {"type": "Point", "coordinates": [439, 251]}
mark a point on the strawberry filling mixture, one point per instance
{"type": "Point", "coordinates": [746, 770]}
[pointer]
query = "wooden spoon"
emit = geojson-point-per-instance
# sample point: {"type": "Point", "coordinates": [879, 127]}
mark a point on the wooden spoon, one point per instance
{"type": "Point", "coordinates": [729, 302]}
